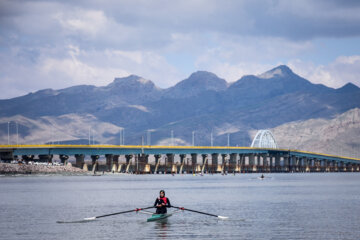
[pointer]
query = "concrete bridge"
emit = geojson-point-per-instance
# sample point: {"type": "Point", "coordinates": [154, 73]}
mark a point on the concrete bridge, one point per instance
{"type": "Point", "coordinates": [211, 159]}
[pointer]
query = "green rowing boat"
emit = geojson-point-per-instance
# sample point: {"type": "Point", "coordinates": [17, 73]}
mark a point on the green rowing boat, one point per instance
{"type": "Point", "coordinates": [156, 217]}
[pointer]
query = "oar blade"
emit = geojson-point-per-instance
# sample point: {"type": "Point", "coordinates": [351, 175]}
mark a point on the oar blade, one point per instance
{"type": "Point", "coordinates": [78, 221]}
{"type": "Point", "coordinates": [223, 217]}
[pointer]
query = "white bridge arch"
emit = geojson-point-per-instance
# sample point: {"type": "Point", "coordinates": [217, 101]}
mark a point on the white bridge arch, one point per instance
{"type": "Point", "coordinates": [264, 139]}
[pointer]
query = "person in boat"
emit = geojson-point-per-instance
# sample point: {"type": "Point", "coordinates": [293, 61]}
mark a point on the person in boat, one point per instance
{"type": "Point", "coordinates": [262, 176]}
{"type": "Point", "coordinates": [161, 203]}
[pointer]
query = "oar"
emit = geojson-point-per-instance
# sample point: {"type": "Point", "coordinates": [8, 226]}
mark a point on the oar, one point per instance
{"type": "Point", "coordinates": [209, 214]}
{"type": "Point", "coordinates": [106, 215]}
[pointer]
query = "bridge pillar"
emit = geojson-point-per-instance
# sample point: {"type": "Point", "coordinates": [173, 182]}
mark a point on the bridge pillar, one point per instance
{"type": "Point", "coordinates": [295, 164]}
{"type": "Point", "coordinates": [182, 162]}
{"type": "Point", "coordinates": [157, 163]}
{"type": "Point", "coordinates": [232, 163]}
{"type": "Point", "coordinates": [182, 157]}
{"type": "Point", "coordinates": [277, 163]}
{"type": "Point", "coordinates": [142, 163]}
{"type": "Point", "coordinates": [335, 166]}
{"type": "Point", "coordinates": [204, 165]}
{"type": "Point", "coordinates": [286, 163]}
{"type": "Point", "coordinates": [214, 162]}
{"type": "Point", "coordinates": [271, 164]}
{"type": "Point", "coordinates": [79, 160]}
{"type": "Point", "coordinates": [317, 165]}
{"type": "Point", "coordinates": [223, 162]}
{"type": "Point", "coordinates": [265, 163]}
{"type": "Point", "coordinates": [342, 167]}
{"type": "Point", "coordinates": [27, 158]}
{"type": "Point", "coordinates": [109, 161]}
{"type": "Point", "coordinates": [128, 158]}
{"type": "Point", "coordinates": [95, 163]}
{"type": "Point", "coordinates": [326, 166]}
{"type": "Point", "coordinates": [46, 158]}
{"type": "Point", "coordinates": [63, 158]}
{"type": "Point", "coordinates": [115, 166]}
{"type": "Point", "coordinates": [252, 163]}
{"type": "Point", "coordinates": [241, 162]}
{"type": "Point", "coordinates": [170, 163]}
{"type": "Point", "coordinates": [307, 163]}
{"type": "Point", "coordinates": [258, 163]}
{"type": "Point", "coordinates": [194, 162]}
{"type": "Point", "coordinates": [349, 167]}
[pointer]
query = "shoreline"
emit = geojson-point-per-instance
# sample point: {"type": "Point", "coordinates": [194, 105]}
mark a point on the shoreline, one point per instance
{"type": "Point", "coordinates": [25, 169]}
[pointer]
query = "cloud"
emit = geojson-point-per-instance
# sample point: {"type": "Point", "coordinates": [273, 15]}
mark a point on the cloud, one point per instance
{"type": "Point", "coordinates": [62, 43]}
{"type": "Point", "coordinates": [337, 73]}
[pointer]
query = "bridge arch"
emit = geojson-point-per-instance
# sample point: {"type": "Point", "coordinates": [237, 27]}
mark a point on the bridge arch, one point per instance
{"type": "Point", "coordinates": [264, 139]}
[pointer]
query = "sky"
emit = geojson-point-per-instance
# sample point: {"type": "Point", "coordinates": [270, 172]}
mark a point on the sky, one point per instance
{"type": "Point", "coordinates": [60, 43]}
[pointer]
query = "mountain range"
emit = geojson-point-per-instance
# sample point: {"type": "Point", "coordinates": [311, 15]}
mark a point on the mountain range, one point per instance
{"type": "Point", "coordinates": [203, 103]}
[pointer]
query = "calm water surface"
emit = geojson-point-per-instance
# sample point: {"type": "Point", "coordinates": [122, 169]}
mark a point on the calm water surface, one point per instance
{"type": "Point", "coordinates": [282, 206]}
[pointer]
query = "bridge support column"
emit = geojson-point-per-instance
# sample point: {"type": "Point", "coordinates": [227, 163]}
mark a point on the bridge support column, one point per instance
{"type": "Point", "coordinates": [241, 163]}
{"type": "Point", "coordinates": [285, 167]}
{"type": "Point", "coordinates": [182, 162]}
{"type": "Point", "coordinates": [326, 166]}
{"type": "Point", "coordinates": [142, 164]}
{"type": "Point", "coordinates": [265, 163]}
{"type": "Point", "coordinates": [128, 163]}
{"type": "Point", "coordinates": [232, 163]}
{"type": "Point", "coordinates": [194, 163]}
{"type": "Point", "coordinates": [277, 163]}
{"type": "Point", "coordinates": [79, 160]}
{"type": "Point", "coordinates": [214, 162]}
{"type": "Point", "coordinates": [157, 163]}
{"type": "Point", "coordinates": [271, 164]}
{"type": "Point", "coordinates": [109, 161]}
{"type": "Point", "coordinates": [342, 167]}
{"type": "Point", "coordinates": [27, 158]}
{"type": "Point", "coordinates": [95, 163]}
{"type": "Point", "coordinates": [252, 163]}
{"type": "Point", "coordinates": [170, 164]}
{"type": "Point", "coordinates": [46, 158]}
{"type": "Point", "coordinates": [115, 165]}
{"type": "Point", "coordinates": [335, 166]}
{"type": "Point", "coordinates": [63, 158]}
{"type": "Point", "coordinates": [223, 162]}
{"type": "Point", "coordinates": [204, 166]}
{"type": "Point", "coordinates": [258, 163]}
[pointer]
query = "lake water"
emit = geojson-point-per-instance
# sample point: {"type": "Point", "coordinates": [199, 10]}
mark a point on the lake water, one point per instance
{"type": "Point", "coordinates": [282, 206]}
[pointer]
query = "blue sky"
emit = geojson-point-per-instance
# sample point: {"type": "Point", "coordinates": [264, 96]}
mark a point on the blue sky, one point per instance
{"type": "Point", "coordinates": [57, 44]}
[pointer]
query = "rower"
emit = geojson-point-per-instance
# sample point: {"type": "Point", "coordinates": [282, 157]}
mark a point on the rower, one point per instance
{"type": "Point", "coordinates": [262, 176]}
{"type": "Point", "coordinates": [161, 203]}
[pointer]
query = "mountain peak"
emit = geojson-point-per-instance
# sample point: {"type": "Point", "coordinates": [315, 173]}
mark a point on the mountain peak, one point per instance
{"type": "Point", "coordinates": [202, 74]}
{"type": "Point", "coordinates": [349, 87]}
{"type": "Point", "coordinates": [131, 78]}
{"type": "Point", "coordinates": [198, 82]}
{"type": "Point", "coordinates": [203, 80]}
{"type": "Point", "coordinates": [279, 71]}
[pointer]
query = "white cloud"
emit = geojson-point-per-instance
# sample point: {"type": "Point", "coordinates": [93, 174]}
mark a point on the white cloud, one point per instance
{"type": "Point", "coordinates": [235, 58]}
{"type": "Point", "coordinates": [342, 70]}
{"type": "Point", "coordinates": [85, 21]}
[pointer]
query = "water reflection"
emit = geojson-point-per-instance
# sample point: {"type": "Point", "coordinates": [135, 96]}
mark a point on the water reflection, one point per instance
{"type": "Point", "coordinates": [162, 228]}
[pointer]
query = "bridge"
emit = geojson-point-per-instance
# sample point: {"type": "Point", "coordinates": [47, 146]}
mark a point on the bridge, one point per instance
{"type": "Point", "coordinates": [192, 159]}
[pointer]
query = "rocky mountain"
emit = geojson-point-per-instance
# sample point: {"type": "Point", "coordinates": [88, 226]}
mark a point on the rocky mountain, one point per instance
{"type": "Point", "coordinates": [203, 103]}
{"type": "Point", "coordinates": [338, 136]}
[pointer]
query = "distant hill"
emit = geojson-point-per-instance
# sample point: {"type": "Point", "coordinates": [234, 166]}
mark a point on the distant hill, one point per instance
{"type": "Point", "coordinates": [339, 136]}
{"type": "Point", "coordinates": [201, 103]}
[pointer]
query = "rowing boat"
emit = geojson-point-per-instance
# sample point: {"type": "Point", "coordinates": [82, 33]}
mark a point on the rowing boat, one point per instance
{"type": "Point", "coordinates": [156, 217]}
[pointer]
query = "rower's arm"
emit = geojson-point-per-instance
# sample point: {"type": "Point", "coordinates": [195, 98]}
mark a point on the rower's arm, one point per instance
{"type": "Point", "coordinates": [155, 204]}
{"type": "Point", "coordinates": [168, 204]}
